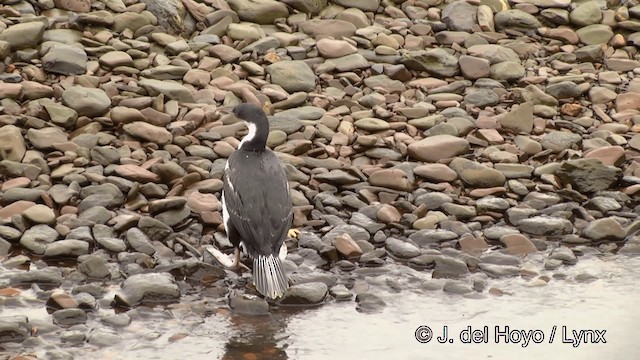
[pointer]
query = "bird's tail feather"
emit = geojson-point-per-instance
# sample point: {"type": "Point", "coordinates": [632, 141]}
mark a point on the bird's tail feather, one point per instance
{"type": "Point", "coordinates": [268, 276]}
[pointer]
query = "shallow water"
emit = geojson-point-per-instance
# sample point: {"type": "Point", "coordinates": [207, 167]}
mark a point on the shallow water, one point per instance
{"type": "Point", "coordinates": [203, 330]}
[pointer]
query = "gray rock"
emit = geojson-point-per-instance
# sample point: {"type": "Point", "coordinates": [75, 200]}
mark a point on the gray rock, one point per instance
{"type": "Point", "coordinates": [563, 254]}
{"type": "Point", "coordinates": [105, 237]}
{"type": "Point", "coordinates": [116, 320]}
{"type": "Point", "coordinates": [292, 75]}
{"type": "Point", "coordinates": [307, 6]}
{"type": "Point", "coordinates": [106, 195]}
{"type": "Point", "coordinates": [12, 145]}
{"type": "Point", "coordinates": [498, 258]}
{"type": "Point", "coordinates": [154, 229]}
{"type": "Point", "coordinates": [450, 268]}
{"type": "Point", "coordinates": [457, 287]}
{"type": "Point", "coordinates": [341, 293]}
{"type": "Point", "coordinates": [356, 233]}
{"type": "Point", "coordinates": [476, 174]}
{"type": "Point", "coordinates": [481, 97]}
{"type": "Point", "coordinates": [45, 138]}
{"type": "Point", "coordinates": [44, 277]}
{"type": "Point", "coordinates": [563, 90]}
{"type": "Point", "coordinates": [365, 222]}
{"type": "Point", "coordinates": [94, 267]}
{"type": "Point", "coordinates": [248, 305]}
{"type": "Point", "coordinates": [68, 317]}
{"type": "Point", "coordinates": [631, 247]}
{"type": "Point", "coordinates": [436, 62]}
{"type": "Point", "coordinates": [369, 303]}
{"type": "Point", "coordinates": [401, 249]}
{"type": "Point", "coordinates": [259, 11]}
{"type": "Point", "coordinates": [96, 215]}
{"type": "Point", "coordinates": [305, 294]}
{"type": "Point", "coordinates": [427, 237]}
{"type": "Point", "coordinates": [65, 60]}
{"type": "Point", "coordinates": [14, 329]}
{"type": "Point", "coordinates": [507, 71]}
{"type": "Point", "coordinates": [364, 5]}
{"type": "Point", "coordinates": [546, 225]}
{"type": "Point", "coordinates": [588, 175]}
{"type": "Point", "coordinates": [139, 241]}
{"type": "Point", "coordinates": [460, 16]}
{"type": "Point", "coordinates": [174, 217]}
{"type": "Point", "coordinates": [170, 14]}
{"type": "Point", "coordinates": [338, 177]}
{"type": "Point", "coordinates": [24, 35]}
{"type": "Point", "coordinates": [10, 233]}
{"type": "Point", "coordinates": [517, 20]}
{"type": "Point", "coordinates": [5, 247]}
{"type": "Point", "coordinates": [171, 89]}
{"type": "Point", "coordinates": [560, 140]}
{"type": "Point", "coordinates": [498, 271]}
{"type": "Point", "coordinates": [86, 101]}
{"type": "Point", "coordinates": [36, 238]}
{"type": "Point", "coordinates": [604, 229]}
{"type": "Point", "coordinates": [587, 13]}
{"type": "Point", "coordinates": [66, 249]}
{"type": "Point", "coordinates": [151, 287]}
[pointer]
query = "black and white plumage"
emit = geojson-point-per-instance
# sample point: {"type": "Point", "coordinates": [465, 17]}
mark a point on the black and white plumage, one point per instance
{"type": "Point", "coordinates": [256, 203]}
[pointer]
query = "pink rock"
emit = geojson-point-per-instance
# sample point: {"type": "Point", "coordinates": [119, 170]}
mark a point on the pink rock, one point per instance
{"type": "Point", "coordinates": [137, 173]}
{"type": "Point", "coordinates": [628, 100]}
{"type": "Point", "coordinates": [609, 155]}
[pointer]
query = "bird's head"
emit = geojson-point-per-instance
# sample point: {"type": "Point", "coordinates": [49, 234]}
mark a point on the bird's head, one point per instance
{"type": "Point", "coordinates": [249, 112]}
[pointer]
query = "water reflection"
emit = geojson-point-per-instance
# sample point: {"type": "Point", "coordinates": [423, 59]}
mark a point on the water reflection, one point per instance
{"type": "Point", "coordinates": [257, 337]}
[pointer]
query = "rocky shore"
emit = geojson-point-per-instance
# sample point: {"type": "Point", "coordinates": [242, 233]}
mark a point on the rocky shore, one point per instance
{"type": "Point", "coordinates": [454, 142]}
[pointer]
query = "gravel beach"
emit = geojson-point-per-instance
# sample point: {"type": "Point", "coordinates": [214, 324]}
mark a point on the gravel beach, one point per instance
{"type": "Point", "coordinates": [444, 149]}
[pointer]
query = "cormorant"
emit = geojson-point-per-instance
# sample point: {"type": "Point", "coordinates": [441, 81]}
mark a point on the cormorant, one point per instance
{"type": "Point", "coordinates": [256, 203]}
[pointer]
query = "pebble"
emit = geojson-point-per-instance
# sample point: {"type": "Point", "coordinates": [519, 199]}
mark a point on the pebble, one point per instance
{"type": "Point", "coordinates": [449, 268]}
{"type": "Point", "coordinates": [150, 287]}
{"type": "Point", "coordinates": [305, 294]}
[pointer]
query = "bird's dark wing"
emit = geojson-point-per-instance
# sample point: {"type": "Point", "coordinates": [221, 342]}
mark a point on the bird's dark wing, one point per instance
{"type": "Point", "coordinates": [257, 200]}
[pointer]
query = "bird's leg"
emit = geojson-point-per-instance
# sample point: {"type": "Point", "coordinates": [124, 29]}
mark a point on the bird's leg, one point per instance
{"type": "Point", "coordinates": [224, 260]}
{"type": "Point", "coordinates": [293, 233]}
{"type": "Point", "coordinates": [236, 261]}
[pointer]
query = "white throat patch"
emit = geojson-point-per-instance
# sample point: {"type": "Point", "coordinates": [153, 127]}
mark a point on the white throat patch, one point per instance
{"type": "Point", "coordinates": [251, 135]}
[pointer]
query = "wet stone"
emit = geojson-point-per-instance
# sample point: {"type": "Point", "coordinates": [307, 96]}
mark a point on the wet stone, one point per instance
{"type": "Point", "coordinates": [248, 305]}
{"type": "Point", "coordinates": [497, 271]}
{"type": "Point", "coordinates": [103, 337]}
{"type": "Point", "coordinates": [365, 222]}
{"type": "Point", "coordinates": [457, 287]}
{"type": "Point", "coordinates": [13, 329]}
{"type": "Point", "coordinates": [497, 258]}
{"type": "Point", "coordinates": [563, 254]}
{"type": "Point", "coordinates": [604, 229]}
{"type": "Point", "coordinates": [139, 241]}
{"type": "Point", "coordinates": [447, 267]}
{"type": "Point", "coordinates": [42, 277]}
{"type": "Point", "coordinates": [66, 249]}
{"type": "Point", "coordinates": [588, 175]}
{"type": "Point", "coordinates": [305, 294]}
{"type": "Point", "coordinates": [545, 225]}
{"type": "Point", "coordinates": [36, 238]}
{"type": "Point", "coordinates": [355, 232]}
{"type": "Point", "coordinates": [369, 303]}
{"type": "Point", "coordinates": [432, 236]}
{"type": "Point", "coordinates": [151, 287]}
{"type": "Point", "coordinates": [401, 249]}
{"type": "Point", "coordinates": [67, 317]}
{"type": "Point", "coordinates": [116, 320]}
